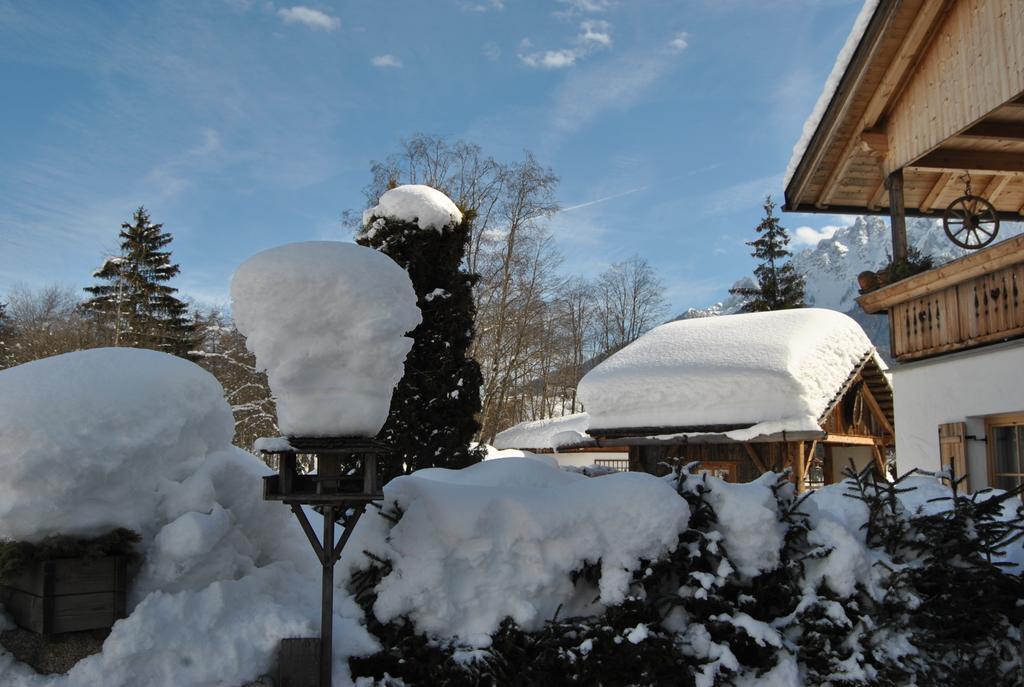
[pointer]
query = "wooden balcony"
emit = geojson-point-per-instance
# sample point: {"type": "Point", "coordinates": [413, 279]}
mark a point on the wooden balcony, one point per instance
{"type": "Point", "coordinates": [976, 300]}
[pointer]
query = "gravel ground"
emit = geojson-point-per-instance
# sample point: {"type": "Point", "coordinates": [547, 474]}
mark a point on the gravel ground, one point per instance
{"type": "Point", "coordinates": [54, 654]}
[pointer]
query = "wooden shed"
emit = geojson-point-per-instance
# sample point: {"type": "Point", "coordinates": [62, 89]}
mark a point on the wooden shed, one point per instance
{"type": "Point", "coordinates": [927, 96]}
{"type": "Point", "coordinates": [746, 394]}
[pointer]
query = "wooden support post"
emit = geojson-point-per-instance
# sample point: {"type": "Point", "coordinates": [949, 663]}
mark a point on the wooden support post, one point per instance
{"type": "Point", "coordinates": [754, 458]}
{"type": "Point", "coordinates": [879, 461]}
{"type": "Point", "coordinates": [897, 216]}
{"type": "Point", "coordinates": [827, 466]}
{"type": "Point", "coordinates": [327, 600]}
{"type": "Point", "coordinates": [799, 466]}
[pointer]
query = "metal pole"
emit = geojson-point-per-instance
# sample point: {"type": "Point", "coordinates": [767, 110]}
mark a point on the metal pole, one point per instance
{"type": "Point", "coordinates": [327, 600]}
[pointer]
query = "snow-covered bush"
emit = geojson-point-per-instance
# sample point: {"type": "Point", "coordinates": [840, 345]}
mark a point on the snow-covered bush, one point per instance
{"type": "Point", "coordinates": [464, 583]}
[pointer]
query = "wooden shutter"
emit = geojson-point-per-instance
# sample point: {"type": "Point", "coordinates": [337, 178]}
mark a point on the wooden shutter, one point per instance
{"type": "Point", "coordinates": [953, 450]}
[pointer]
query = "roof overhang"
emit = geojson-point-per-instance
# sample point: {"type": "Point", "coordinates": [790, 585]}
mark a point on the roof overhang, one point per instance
{"type": "Point", "coordinates": [904, 102]}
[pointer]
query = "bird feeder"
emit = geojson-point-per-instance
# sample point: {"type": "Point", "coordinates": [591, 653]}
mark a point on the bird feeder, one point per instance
{"type": "Point", "coordinates": [327, 320]}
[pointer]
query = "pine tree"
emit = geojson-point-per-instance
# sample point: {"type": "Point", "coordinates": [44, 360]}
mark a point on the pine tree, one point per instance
{"type": "Point", "coordinates": [779, 286]}
{"type": "Point", "coordinates": [136, 305]}
{"type": "Point", "coordinates": [432, 419]}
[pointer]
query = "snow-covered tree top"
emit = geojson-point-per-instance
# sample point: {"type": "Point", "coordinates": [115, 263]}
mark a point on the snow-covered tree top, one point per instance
{"type": "Point", "coordinates": [422, 205]}
{"type": "Point", "coordinates": [778, 371]}
{"type": "Point", "coordinates": [327, 320]}
{"type": "Point", "coordinates": [568, 430]}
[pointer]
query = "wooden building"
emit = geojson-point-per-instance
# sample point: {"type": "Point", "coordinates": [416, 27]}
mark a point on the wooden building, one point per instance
{"type": "Point", "coordinates": [746, 394]}
{"type": "Point", "coordinates": [931, 97]}
{"type": "Point", "coordinates": [927, 119]}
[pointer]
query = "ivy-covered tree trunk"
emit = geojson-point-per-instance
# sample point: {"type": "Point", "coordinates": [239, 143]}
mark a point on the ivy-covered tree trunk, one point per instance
{"type": "Point", "coordinates": [434, 407]}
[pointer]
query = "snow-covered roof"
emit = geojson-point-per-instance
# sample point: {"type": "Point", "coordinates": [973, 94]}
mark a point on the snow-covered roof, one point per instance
{"type": "Point", "coordinates": [744, 376]}
{"type": "Point", "coordinates": [552, 433]}
{"type": "Point", "coordinates": [427, 207]}
{"type": "Point", "coordinates": [831, 84]}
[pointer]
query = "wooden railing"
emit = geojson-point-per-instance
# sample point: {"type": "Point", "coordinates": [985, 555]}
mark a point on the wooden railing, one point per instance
{"type": "Point", "coordinates": [976, 300]}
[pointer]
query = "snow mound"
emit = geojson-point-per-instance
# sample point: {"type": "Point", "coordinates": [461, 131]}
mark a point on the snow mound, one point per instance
{"type": "Point", "coordinates": [500, 538]}
{"type": "Point", "coordinates": [759, 373]}
{"type": "Point", "coordinates": [89, 440]}
{"type": "Point", "coordinates": [417, 204]}
{"type": "Point", "coordinates": [568, 430]}
{"type": "Point", "coordinates": [132, 438]}
{"type": "Point", "coordinates": [860, 25]}
{"type": "Point", "coordinates": [326, 320]}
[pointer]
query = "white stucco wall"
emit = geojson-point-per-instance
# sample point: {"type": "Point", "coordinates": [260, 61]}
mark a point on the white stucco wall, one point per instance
{"type": "Point", "coordinates": [961, 387]}
{"type": "Point", "coordinates": [582, 459]}
{"type": "Point", "coordinates": [862, 456]}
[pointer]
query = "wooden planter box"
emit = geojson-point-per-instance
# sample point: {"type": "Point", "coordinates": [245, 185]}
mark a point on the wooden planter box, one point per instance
{"type": "Point", "coordinates": [68, 595]}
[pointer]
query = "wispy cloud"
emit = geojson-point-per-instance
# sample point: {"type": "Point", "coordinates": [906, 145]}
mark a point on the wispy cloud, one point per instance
{"type": "Point", "coordinates": [388, 61]}
{"type": "Point", "coordinates": [596, 201]}
{"type": "Point", "coordinates": [484, 6]}
{"type": "Point", "coordinates": [680, 42]}
{"type": "Point", "coordinates": [491, 51]}
{"type": "Point", "coordinates": [585, 6]}
{"type": "Point", "coordinates": [586, 94]}
{"type": "Point", "coordinates": [307, 16]}
{"type": "Point", "coordinates": [547, 59]}
{"type": "Point", "coordinates": [743, 195]}
{"type": "Point", "coordinates": [594, 35]}
{"type": "Point", "coordinates": [595, 31]}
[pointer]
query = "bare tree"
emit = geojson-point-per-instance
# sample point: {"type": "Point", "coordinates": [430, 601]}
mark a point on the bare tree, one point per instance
{"type": "Point", "coordinates": [631, 300]}
{"type": "Point", "coordinates": [222, 352]}
{"type": "Point", "coordinates": [45, 322]}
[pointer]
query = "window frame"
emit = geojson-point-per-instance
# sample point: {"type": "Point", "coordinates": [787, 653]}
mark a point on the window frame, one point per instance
{"type": "Point", "coordinates": [991, 423]}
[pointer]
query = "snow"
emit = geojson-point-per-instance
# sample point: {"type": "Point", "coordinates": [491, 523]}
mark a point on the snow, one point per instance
{"type": "Point", "coordinates": [552, 433]}
{"type": "Point", "coordinates": [89, 424]}
{"type": "Point", "coordinates": [326, 320]}
{"type": "Point", "coordinates": [133, 438]}
{"type": "Point", "coordinates": [860, 25]}
{"type": "Point", "coordinates": [500, 539]}
{"type": "Point", "coordinates": [750, 529]}
{"type": "Point", "coordinates": [417, 204]}
{"type": "Point", "coordinates": [777, 371]}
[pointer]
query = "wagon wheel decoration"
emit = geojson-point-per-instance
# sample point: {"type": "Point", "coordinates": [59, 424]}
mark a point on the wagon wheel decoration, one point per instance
{"type": "Point", "coordinates": [970, 221]}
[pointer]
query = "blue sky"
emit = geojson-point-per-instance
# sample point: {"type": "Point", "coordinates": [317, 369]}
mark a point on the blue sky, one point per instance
{"type": "Point", "coordinates": [244, 124]}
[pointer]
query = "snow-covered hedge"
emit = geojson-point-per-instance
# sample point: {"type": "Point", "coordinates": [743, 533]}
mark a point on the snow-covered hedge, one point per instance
{"type": "Point", "coordinates": [512, 572]}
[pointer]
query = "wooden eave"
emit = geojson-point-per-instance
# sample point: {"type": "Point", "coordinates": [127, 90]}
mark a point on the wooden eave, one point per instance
{"type": "Point", "coordinates": [868, 371]}
{"type": "Point", "coordinates": [866, 131]}
{"type": "Point", "coordinates": [970, 266]}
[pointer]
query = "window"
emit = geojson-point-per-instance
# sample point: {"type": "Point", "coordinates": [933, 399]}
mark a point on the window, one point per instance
{"type": "Point", "coordinates": [1005, 435]}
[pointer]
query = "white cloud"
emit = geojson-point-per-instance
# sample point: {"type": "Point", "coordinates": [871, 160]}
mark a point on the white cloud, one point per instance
{"type": "Point", "coordinates": [485, 6]}
{"type": "Point", "coordinates": [491, 51]}
{"type": "Point", "coordinates": [680, 42]}
{"type": "Point", "coordinates": [587, 5]}
{"type": "Point", "coordinates": [594, 35]}
{"type": "Point", "coordinates": [550, 59]}
{"type": "Point", "coordinates": [809, 236]}
{"type": "Point", "coordinates": [386, 61]}
{"type": "Point", "coordinates": [595, 31]}
{"type": "Point", "coordinates": [314, 19]}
